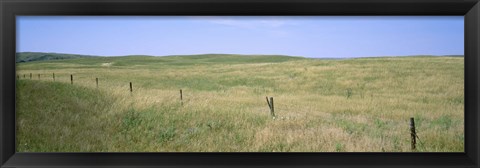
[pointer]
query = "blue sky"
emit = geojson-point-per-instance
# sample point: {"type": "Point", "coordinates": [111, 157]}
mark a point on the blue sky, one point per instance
{"type": "Point", "coordinates": [312, 36]}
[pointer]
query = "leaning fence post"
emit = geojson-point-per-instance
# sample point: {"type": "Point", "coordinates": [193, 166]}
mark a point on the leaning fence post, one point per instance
{"type": "Point", "coordinates": [71, 79]}
{"type": "Point", "coordinates": [270, 105]}
{"type": "Point", "coordinates": [413, 134]}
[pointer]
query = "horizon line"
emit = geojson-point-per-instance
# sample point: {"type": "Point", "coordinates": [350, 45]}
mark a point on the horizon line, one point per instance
{"type": "Point", "coordinates": [242, 55]}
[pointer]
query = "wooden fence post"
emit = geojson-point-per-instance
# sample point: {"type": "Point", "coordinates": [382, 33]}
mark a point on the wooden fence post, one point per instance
{"type": "Point", "coordinates": [96, 81]}
{"type": "Point", "coordinates": [71, 79]}
{"type": "Point", "coordinates": [23, 76]}
{"type": "Point", "coordinates": [53, 76]}
{"type": "Point", "coordinates": [268, 102]}
{"type": "Point", "coordinates": [18, 77]}
{"type": "Point", "coordinates": [413, 134]}
{"type": "Point", "coordinates": [38, 76]}
{"type": "Point", "coordinates": [181, 97]}
{"type": "Point", "coordinates": [273, 108]}
{"type": "Point", "coordinates": [131, 90]}
{"type": "Point", "coordinates": [30, 75]}
{"type": "Point", "coordinates": [270, 105]}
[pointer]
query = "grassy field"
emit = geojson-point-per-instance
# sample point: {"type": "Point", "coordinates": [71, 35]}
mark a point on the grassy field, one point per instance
{"type": "Point", "coordinates": [350, 105]}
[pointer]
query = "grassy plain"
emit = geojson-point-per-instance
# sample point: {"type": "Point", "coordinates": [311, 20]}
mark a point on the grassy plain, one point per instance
{"type": "Point", "coordinates": [350, 105]}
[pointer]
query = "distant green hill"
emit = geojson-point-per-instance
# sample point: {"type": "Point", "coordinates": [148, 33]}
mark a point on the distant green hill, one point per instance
{"type": "Point", "coordinates": [153, 60]}
{"type": "Point", "coordinates": [170, 59]}
{"type": "Point", "coordinates": [40, 56]}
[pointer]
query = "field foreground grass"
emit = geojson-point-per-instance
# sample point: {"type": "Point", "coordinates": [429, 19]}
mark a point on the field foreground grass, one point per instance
{"type": "Point", "coordinates": [351, 105]}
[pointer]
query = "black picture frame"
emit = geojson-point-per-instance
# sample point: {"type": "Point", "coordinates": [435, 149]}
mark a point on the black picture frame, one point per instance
{"type": "Point", "coordinates": [470, 9]}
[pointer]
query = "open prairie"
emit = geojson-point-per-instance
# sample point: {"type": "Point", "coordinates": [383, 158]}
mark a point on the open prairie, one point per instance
{"type": "Point", "coordinates": [321, 105]}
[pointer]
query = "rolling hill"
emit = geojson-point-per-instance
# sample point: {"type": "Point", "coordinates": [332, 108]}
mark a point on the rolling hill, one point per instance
{"type": "Point", "coordinates": [41, 56]}
{"type": "Point", "coordinates": [146, 59]}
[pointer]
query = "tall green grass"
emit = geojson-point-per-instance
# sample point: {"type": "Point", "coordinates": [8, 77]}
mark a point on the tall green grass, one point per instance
{"type": "Point", "coordinates": [59, 117]}
{"type": "Point", "coordinates": [352, 105]}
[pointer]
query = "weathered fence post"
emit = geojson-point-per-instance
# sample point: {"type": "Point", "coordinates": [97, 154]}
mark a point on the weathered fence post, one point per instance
{"type": "Point", "coordinates": [131, 90]}
{"type": "Point", "coordinates": [413, 134]}
{"type": "Point", "coordinates": [30, 75]}
{"type": "Point", "coordinates": [273, 107]}
{"type": "Point", "coordinates": [53, 76]}
{"type": "Point", "coordinates": [71, 79]}
{"type": "Point", "coordinates": [18, 77]}
{"type": "Point", "coordinates": [38, 76]}
{"type": "Point", "coordinates": [181, 97]}
{"type": "Point", "coordinates": [268, 102]}
{"type": "Point", "coordinates": [270, 105]}
{"type": "Point", "coordinates": [96, 81]}
{"type": "Point", "coordinates": [23, 76]}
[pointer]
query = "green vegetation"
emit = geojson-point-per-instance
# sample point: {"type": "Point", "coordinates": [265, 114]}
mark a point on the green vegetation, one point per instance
{"type": "Point", "coordinates": [347, 105]}
{"type": "Point", "coordinates": [38, 56]}
{"type": "Point", "coordinates": [58, 117]}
